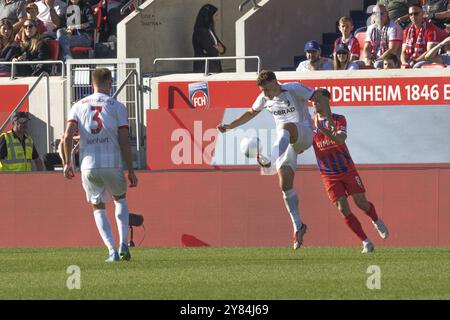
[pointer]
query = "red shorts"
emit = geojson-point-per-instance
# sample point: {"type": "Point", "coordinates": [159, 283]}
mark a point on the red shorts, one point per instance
{"type": "Point", "coordinates": [343, 185]}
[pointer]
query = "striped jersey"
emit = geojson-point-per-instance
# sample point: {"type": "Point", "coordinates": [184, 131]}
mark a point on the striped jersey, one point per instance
{"type": "Point", "coordinates": [99, 118]}
{"type": "Point", "coordinates": [332, 158]}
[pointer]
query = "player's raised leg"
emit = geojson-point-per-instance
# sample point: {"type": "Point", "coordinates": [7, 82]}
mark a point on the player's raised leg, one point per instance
{"type": "Point", "coordinates": [353, 223]}
{"type": "Point", "coordinates": [369, 209]}
{"type": "Point", "coordinates": [286, 177]}
{"type": "Point", "coordinates": [122, 219]}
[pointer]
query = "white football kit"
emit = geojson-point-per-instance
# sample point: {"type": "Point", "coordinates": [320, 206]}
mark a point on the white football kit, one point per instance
{"type": "Point", "coordinates": [99, 118]}
{"type": "Point", "coordinates": [290, 106]}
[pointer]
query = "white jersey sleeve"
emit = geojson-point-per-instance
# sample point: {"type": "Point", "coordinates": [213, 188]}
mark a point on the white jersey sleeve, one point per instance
{"type": "Point", "coordinates": [395, 32]}
{"type": "Point", "coordinates": [122, 115]}
{"type": "Point", "coordinates": [302, 92]}
{"type": "Point", "coordinates": [73, 117]}
{"type": "Point", "coordinates": [259, 103]}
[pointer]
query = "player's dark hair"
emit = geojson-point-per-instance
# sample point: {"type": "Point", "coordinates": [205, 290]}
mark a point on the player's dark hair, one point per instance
{"type": "Point", "coordinates": [101, 75]}
{"type": "Point", "coordinates": [265, 76]}
{"type": "Point", "coordinates": [324, 92]}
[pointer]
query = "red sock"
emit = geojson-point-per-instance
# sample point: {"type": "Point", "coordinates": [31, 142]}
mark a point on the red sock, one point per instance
{"type": "Point", "coordinates": [372, 213]}
{"type": "Point", "coordinates": [353, 223]}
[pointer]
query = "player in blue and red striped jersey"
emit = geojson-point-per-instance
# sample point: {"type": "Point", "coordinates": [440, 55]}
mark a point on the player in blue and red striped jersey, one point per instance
{"type": "Point", "coordinates": [339, 174]}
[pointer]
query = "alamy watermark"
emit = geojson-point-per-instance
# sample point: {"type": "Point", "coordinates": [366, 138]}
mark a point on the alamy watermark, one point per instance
{"type": "Point", "coordinates": [74, 278]}
{"type": "Point", "coordinates": [374, 280]}
{"type": "Point", "coordinates": [202, 146]}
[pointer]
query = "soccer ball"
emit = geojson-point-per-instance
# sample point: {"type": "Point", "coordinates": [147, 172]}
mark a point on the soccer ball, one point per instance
{"type": "Point", "coordinates": [250, 147]}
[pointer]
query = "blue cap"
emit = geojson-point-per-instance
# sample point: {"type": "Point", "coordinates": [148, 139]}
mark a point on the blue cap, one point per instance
{"type": "Point", "coordinates": [342, 47]}
{"type": "Point", "coordinates": [312, 45]}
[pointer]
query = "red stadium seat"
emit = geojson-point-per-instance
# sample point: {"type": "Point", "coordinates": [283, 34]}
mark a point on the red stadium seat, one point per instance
{"type": "Point", "coordinates": [53, 47]}
{"type": "Point", "coordinates": [97, 10]}
{"type": "Point", "coordinates": [360, 35]}
{"type": "Point", "coordinates": [5, 74]}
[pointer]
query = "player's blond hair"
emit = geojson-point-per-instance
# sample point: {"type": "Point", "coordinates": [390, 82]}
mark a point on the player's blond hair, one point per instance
{"type": "Point", "coordinates": [101, 76]}
{"type": "Point", "coordinates": [345, 19]}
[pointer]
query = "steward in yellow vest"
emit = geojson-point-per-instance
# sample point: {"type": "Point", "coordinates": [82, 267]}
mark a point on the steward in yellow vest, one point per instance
{"type": "Point", "coordinates": [17, 150]}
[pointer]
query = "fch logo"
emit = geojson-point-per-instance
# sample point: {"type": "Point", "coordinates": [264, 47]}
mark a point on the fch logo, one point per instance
{"type": "Point", "coordinates": [198, 95]}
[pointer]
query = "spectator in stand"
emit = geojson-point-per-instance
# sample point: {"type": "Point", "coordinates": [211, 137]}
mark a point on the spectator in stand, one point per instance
{"type": "Point", "coordinates": [398, 10]}
{"type": "Point", "coordinates": [32, 12]}
{"type": "Point", "coordinates": [341, 59]}
{"type": "Point", "coordinates": [52, 13]}
{"type": "Point", "coordinates": [8, 47]}
{"type": "Point", "coordinates": [314, 61]}
{"type": "Point", "coordinates": [113, 17]}
{"type": "Point", "coordinates": [419, 38]}
{"type": "Point", "coordinates": [383, 37]}
{"type": "Point", "coordinates": [391, 61]}
{"type": "Point", "coordinates": [13, 10]}
{"type": "Point", "coordinates": [33, 48]}
{"type": "Point", "coordinates": [205, 41]}
{"type": "Point", "coordinates": [80, 23]}
{"type": "Point", "coordinates": [438, 11]}
{"type": "Point", "coordinates": [346, 27]}
{"type": "Point", "coordinates": [444, 58]}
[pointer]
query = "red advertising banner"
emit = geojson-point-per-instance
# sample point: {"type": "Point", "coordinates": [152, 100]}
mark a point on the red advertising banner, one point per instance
{"type": "Point", "coordinates": [11, 96]}
{"type": "Point", "coordinates": [345, 92]}
{"type": "Point", "coordinates": [182, 138]}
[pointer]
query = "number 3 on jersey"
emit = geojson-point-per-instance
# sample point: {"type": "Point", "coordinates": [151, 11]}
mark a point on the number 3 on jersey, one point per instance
{"type": "Point", "coordinates": [97, 119]}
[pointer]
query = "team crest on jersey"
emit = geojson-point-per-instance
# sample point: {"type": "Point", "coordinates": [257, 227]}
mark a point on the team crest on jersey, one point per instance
{"type": "Point", "coordinates": [199, 95]}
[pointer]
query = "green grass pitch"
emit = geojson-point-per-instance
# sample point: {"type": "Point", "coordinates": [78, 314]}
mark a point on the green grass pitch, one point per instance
{"type": "Point", "coordinates": [227, 273]}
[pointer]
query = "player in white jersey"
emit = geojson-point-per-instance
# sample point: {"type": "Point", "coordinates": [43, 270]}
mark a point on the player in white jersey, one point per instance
{"type": "Point", "coordinates": [288, 105]}
{"type": "Point", "coordinates": [102, 123]}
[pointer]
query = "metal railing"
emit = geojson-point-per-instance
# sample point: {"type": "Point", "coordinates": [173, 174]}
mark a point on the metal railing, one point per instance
{"type": "Point", "coordinates": [255, 5]}
{"type": "Point", "coordinates": [47, 100]}
{"type": "Point", "coordinates": [127, 5]}
{"type": "Point", "coordinates": [137, 111]}
{"type": "Point", "coordinates": [14, 63]}
{"type": "Point", "coordinates": [206, 59]}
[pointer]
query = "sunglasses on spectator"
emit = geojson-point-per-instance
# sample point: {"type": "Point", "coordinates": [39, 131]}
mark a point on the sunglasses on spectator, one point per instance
{"type": "Point", "coordinates": [342, 52]}
{"type": "Point", "coordinates": [29, 26]}
{"type": "Point", "coordinates": [22, 121]}
{"type": "Point", "coordinates": [414, 13]}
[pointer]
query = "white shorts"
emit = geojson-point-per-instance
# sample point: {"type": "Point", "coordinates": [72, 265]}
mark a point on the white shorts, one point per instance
{"type": "Point", "coordinates": [304, 141]}
{"type": "Point", "coordinates": [97, 181]}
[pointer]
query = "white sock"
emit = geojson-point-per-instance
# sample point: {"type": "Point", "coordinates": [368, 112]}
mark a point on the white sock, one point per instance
{"type": "Point", "coordinates": [122, 219]}
{"type": "Point", "coordinates": [104, 228]}
{"type": "Point", "coordinates": [291, 201]}
{"type": "Point", "coordinates": [280, 146]}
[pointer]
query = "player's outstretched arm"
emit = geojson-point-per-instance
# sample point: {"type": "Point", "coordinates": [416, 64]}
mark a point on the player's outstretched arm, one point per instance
{"type": "Point", "coordinates": [244, 118]}
{"type": "Point", "coordinates": [125, 149]}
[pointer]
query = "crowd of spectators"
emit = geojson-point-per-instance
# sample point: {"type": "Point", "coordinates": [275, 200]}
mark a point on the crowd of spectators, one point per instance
{"type": "Point", "coordinates": [408, 29]}
{"type": "Point", "coordinates": [400, 34]}
{"type": "Point", "coordinates": [26, 25]}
